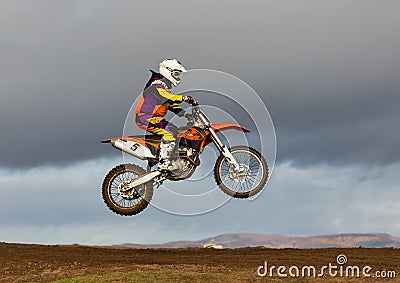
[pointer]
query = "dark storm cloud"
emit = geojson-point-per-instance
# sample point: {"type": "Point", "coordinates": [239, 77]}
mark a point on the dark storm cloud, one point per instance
{"type": "Point", "coordinates": [328, 72]}
{"type": "Point", "coordinates": [338, 125]}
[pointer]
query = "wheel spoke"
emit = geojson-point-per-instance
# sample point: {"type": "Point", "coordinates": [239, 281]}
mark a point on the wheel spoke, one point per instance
{"type": "Point", "coordinates": [123, 197]}
{"type": "Point", "coordinates": [248, 178]}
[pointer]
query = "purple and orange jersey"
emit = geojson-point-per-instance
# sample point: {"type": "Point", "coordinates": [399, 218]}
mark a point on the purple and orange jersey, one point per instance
{"type": "Point", "coordinates": [154, 104]}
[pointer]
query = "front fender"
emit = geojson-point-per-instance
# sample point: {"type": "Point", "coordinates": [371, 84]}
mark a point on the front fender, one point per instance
{"type": "Point", "coordinates": [229, 126]}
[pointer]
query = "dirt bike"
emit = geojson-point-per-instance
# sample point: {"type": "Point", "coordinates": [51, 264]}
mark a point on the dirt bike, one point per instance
{"type": "Point", "coordinates": [239, 171]}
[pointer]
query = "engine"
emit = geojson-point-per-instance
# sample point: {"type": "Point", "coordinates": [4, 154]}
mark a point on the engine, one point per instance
{"type": "Point", "coordinates": [187, 163]}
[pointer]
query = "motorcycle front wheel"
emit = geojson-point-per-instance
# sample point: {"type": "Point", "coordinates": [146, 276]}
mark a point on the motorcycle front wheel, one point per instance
{"type": "Point", "coordinates": [251, 177]}
{"type": "Point", "coordinates": [119, 197]}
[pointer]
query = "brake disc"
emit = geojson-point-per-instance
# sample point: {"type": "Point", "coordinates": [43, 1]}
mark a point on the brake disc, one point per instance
{"type": "Point", "coordinates": [242, 175]}
{"type": "Point", "coordinates": [126, 192]}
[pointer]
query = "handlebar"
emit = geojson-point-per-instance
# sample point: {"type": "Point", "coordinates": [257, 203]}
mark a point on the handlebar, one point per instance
{"type": "Point", "coordinates": [199, 118]}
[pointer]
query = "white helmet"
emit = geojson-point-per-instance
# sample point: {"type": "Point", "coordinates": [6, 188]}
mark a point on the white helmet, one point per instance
{"type": "Point", "coordinates": [171, 69]}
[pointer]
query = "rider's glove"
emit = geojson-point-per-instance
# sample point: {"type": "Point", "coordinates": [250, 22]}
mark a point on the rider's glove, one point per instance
{"type": "Point", "coordinates": [188, 116]}
{"type": "Point", "coordinates": [188, 99]}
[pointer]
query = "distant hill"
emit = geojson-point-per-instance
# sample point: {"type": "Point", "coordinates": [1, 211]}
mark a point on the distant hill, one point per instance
{"type": "Point", "coordinates": [277, 241]}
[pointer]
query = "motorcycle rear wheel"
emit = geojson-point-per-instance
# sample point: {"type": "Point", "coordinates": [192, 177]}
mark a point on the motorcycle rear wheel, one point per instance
{"type": "Point", "coordinates": [118, 197]}
{"type": "Point", "coordinates": [252, 178]}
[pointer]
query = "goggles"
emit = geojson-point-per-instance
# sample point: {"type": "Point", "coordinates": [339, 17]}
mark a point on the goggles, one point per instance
{"type": "Point", "coordinates": [174, 72]}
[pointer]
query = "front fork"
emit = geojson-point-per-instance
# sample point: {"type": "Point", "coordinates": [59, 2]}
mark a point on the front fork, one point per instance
{"type": "Point", "coordinates": [223, 149]}
{"type": "Point", "coordinates": [217, 141]}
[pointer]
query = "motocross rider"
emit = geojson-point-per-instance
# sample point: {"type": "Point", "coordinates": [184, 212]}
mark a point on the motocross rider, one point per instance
{"type": "Point", "coordinates": [154, 103]}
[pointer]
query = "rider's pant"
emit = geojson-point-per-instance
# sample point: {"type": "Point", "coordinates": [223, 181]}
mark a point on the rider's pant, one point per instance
{"type": "Point", "coordinates": [158, 126]}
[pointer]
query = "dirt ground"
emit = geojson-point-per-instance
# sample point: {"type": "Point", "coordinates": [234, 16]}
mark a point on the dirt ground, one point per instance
{"type": "Point", "coordinates": [39, 263]}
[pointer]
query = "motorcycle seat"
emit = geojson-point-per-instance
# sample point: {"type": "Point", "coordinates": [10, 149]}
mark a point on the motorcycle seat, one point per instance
{"type": "Point", "coordinates": [147, 137]}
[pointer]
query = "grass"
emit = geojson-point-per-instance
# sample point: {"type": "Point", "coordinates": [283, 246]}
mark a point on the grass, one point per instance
{"type": "Point", "coordinates": [133, 276]}
{"type": "Point", "coordinates": [166, 274]}
{"type": "Point", "coordinates": [137, 276]}
{"type": "Point", "coordinates": [195, 273]}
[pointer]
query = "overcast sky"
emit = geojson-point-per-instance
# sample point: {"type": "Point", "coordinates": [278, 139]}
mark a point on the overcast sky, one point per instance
{"type": "Point", "coordinates": [328, 71]}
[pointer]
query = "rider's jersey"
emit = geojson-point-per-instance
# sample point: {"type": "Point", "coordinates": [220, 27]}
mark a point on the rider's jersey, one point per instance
{"type": "Point", "coordinates": [157, 99]}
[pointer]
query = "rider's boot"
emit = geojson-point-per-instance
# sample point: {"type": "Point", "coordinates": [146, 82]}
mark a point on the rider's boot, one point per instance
{"type": "Point", "coordinates": [166, 152]}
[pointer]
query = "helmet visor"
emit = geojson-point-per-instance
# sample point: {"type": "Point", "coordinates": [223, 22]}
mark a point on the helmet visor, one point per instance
{"type": "Point", "coordinates": [176, 74]}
